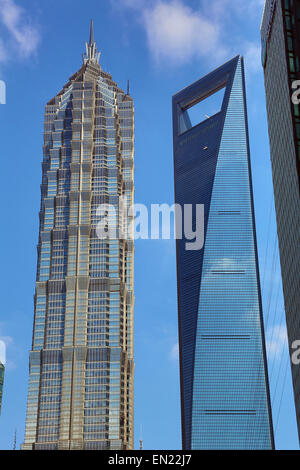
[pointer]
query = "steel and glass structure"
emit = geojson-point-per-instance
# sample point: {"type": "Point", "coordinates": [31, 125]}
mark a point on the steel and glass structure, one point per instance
{"type": "Point", "coordinates": [280, 33]}
{"type": "Point", "coordinates": [224, 383]}
{"type": "Point", "coordinates": [81, 362]}
{"type": "Point", "coordinates": [2, 370]}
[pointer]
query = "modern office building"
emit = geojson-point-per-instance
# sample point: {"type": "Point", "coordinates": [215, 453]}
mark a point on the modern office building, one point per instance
{"type": "Point", "coordinates": [225, 397]}
{"type": "Point", "coordinates": [281, 57]}
{"type": "Point", "coordinates": [81, 362]}
{"type": "Point", "coordinates": [2, 369]}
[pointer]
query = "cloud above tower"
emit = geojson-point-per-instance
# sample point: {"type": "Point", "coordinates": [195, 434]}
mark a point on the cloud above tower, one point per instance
{"type": "Point", "coordinates": [23, 36]}
{"type": "Point", "coordinates": [178, 33]}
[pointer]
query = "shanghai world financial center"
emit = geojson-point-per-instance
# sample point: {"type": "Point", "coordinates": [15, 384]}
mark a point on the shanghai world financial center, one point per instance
{"type": "Point", "coordinates": [224, 384]}
{"type": "Point", "coordinates": [81, 362]}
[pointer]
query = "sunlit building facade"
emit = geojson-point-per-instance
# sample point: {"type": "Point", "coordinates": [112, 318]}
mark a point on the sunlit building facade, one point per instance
{"type": "Point", "coordinates": [280, 34]}
{"type": "Point", "coordinates": [225, 399]}
{"type": "Point", "coordinates": [81, 363]}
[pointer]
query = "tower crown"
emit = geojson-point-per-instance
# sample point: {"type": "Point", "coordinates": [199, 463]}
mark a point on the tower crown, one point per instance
{"type": "Point", "coordinates": [91, 55]}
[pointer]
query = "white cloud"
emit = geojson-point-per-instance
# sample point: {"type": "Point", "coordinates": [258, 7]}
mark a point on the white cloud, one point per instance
{"type": "Point", "coordinates": [177, 33]}
{"type": "Point", "coordinates": [174, 353]}
{"type": "Point", "coordinates": [277, 341]}
{"type": "Point", "coordinates": [252, 54]}
{"type": "Point", "coordinates": [4, 342]}
{"type": "Point", "coordinates": [2, 352]}
{"type": "Point", "coordinates": [18, 24]}
{"type": "Point", "coordinates": [224, 264]}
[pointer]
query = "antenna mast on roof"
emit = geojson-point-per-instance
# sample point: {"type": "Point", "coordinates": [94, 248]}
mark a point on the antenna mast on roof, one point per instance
{"type": "Point", "coordinates": [141, 439]}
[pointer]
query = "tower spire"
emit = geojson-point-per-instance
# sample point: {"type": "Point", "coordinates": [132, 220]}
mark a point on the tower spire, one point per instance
{"type": "Point", "coordinates": [91, 55]}
{"type": "Point", "coordinates": [91, 33]}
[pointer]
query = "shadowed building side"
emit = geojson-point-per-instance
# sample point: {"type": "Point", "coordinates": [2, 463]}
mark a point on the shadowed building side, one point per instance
{"type": "Point", "coordinates": [280, 35]}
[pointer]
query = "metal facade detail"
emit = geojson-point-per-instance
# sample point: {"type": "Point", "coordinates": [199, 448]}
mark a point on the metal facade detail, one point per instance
{"type": "Point", "coordinates": [224, 383]}
{"type": "Point", "coordinates": [81, 364]}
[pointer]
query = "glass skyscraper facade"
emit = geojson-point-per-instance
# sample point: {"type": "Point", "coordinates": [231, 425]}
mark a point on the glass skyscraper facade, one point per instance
{"type": "Point", "coordinates": [81, 363]}
{"type": "Point", "coordinates": [2, 369]}
{"type": "Point", "coordinates": [224, 382]}
{"type": "Point", "coordinates": [280, 33]}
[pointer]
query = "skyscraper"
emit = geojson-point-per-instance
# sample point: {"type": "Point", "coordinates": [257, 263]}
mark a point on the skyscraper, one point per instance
{"type": "Point", "coordinates": [281, 57]}
{"type": "Point", "coordinates": [225, 398]}
{"type": "Point", "coordinates": [2, 369]}
{"type": "Point", "coordinates": [81, 362]}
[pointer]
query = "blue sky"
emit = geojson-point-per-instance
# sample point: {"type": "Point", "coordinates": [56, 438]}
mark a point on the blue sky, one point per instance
{"type": "Point", "coordinates": [161, 46]}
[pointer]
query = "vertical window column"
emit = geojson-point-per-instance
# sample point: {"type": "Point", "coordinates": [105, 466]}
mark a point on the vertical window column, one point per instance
{"type": "Point", "coordinates": [44, 258]}
{"type": "Point", "coordinates": [39, 318]}
{"type": "Point", "coordinates": [72, 251]}
{"type": "Point", "coordinates": [52, 183]}
{"type": "Point", "coordinates": [83, 255]}
{"type": "Point", "coordinates": [74, 206]}
{"type": "Point", "coordinates": [70, 311]}
{"type": "Point", "coordinates": [78, 398]}
{"type": "Point", "coordinates": [33, 397]}
{"type": "Point", "coordinates": [49, 214]}
{"type": "Point", "coordinates": [114, 398]}
{"type": "Point", "coordinates": [66, 392]}
{"type": "Point", "coordinates": [85, 208]}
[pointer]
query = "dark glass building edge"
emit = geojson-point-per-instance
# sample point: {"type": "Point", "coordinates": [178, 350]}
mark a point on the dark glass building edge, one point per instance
{"type": "Point", "coordinates": [194, 190]}
{"type": "Point", "coordinates": [291, 27]}
{"type": "Point", "coordinates": [2, 369]}
{"type": "Point", "coordinates": [292, 46]}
